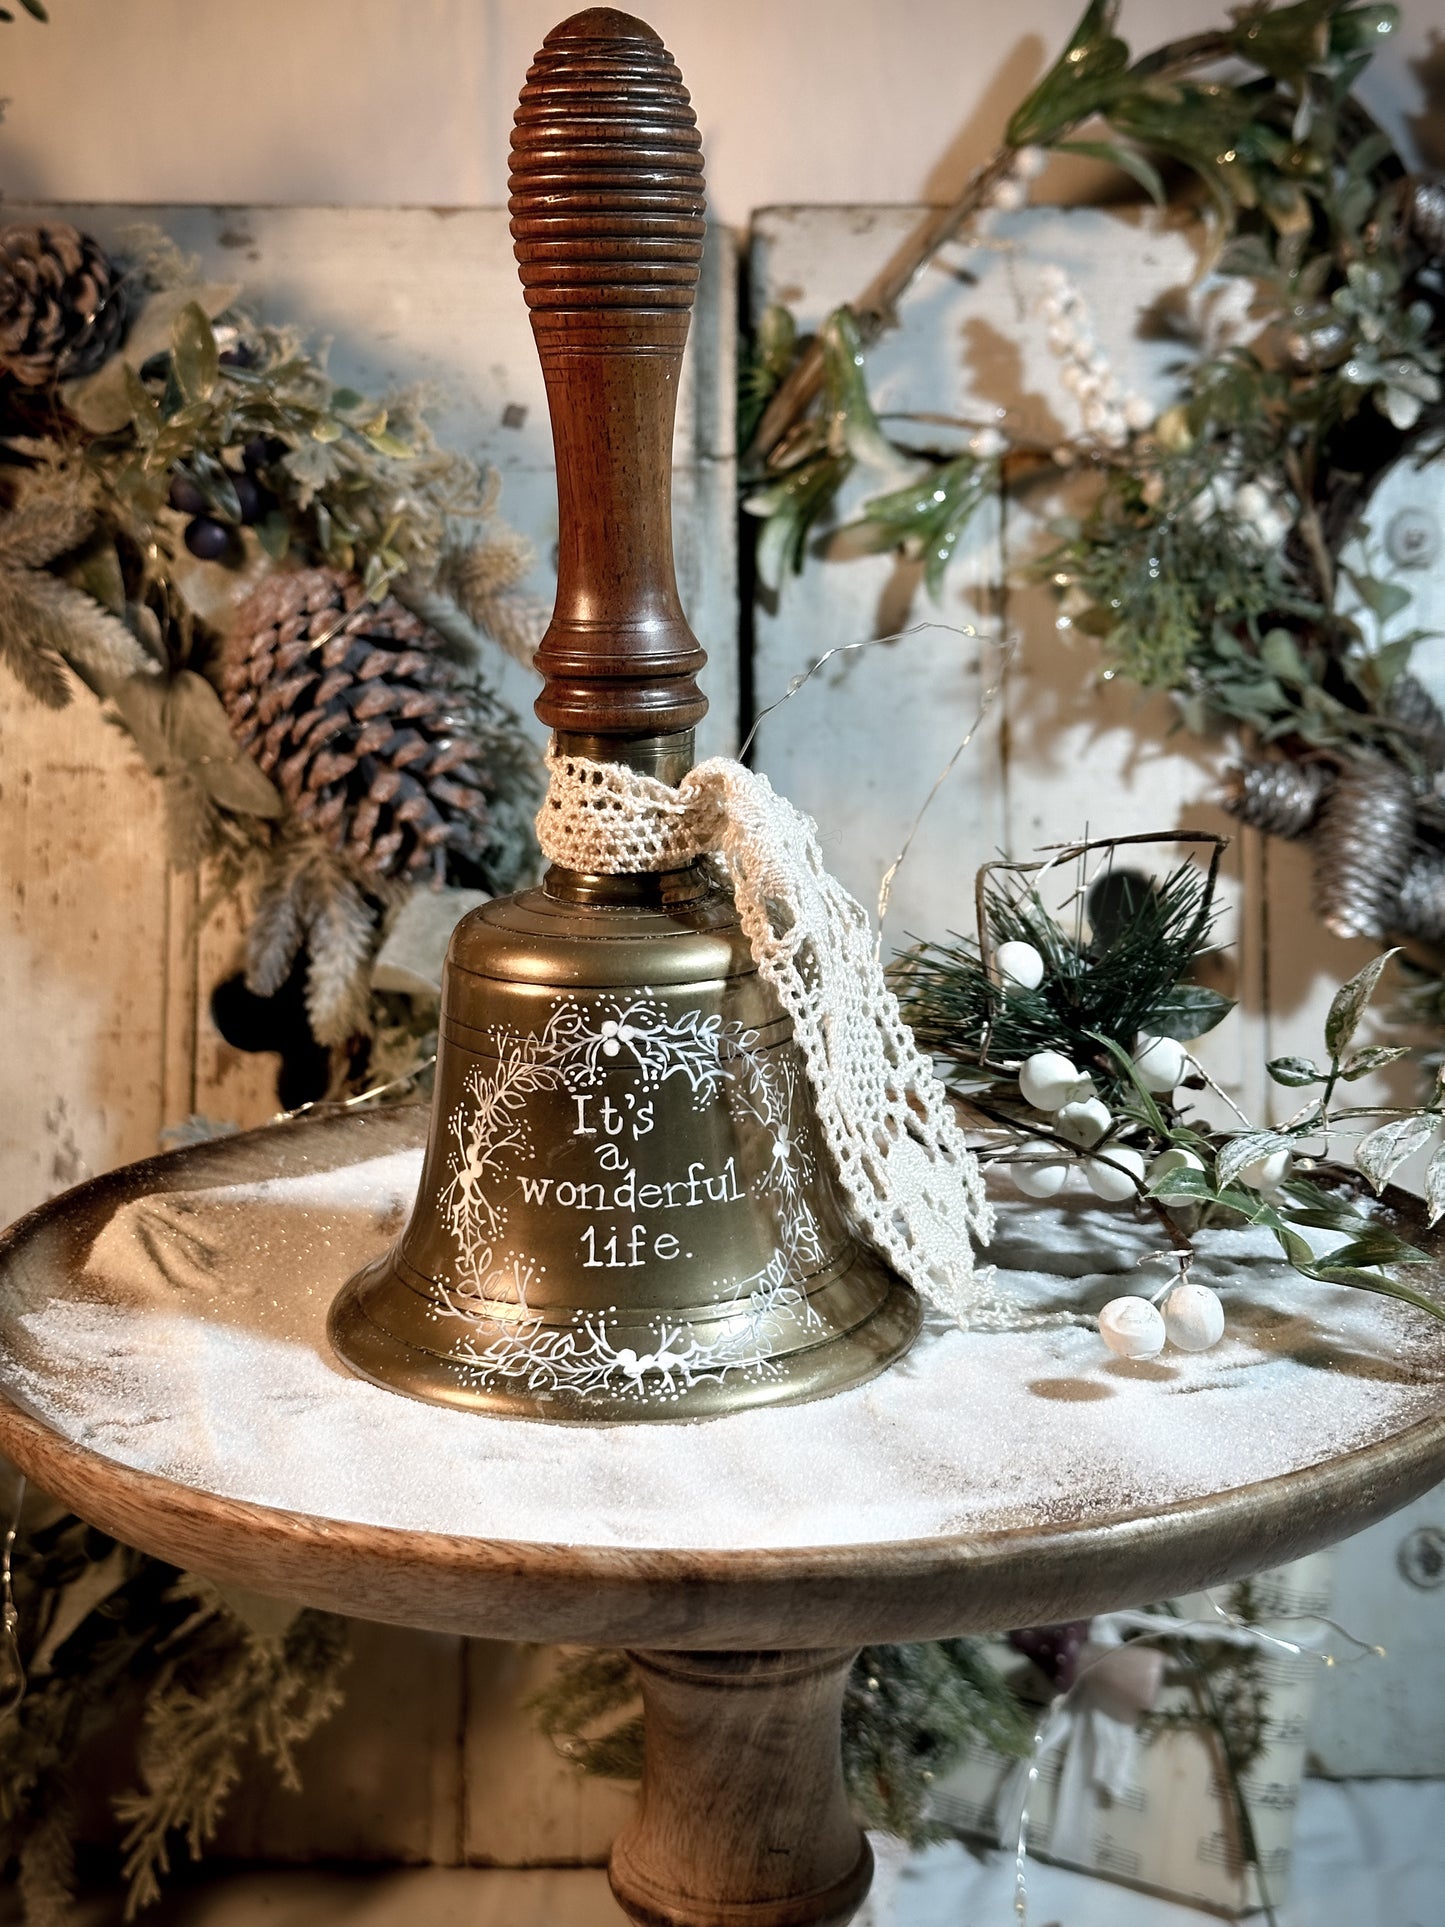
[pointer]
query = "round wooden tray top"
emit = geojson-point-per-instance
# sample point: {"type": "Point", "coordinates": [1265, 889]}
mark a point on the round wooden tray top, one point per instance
{"type": "Point", "coordinates": [165, 1373]}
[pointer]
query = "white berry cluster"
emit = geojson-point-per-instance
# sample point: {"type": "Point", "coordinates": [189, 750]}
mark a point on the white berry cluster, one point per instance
{"type": "Point", "coordinates": [1053, 1084]}
{"type": "Point", "coordinates": [1192, 1319]}
{"type": "Point", "coordinates": [1108, 414]}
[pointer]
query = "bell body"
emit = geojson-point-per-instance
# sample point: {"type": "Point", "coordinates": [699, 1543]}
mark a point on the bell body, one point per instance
{"type": "Point", "coordinates": [626, 1210]}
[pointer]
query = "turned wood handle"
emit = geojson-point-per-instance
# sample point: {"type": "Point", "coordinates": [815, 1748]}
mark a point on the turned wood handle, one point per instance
{"type": "Point", "coordinates": [607, 217]}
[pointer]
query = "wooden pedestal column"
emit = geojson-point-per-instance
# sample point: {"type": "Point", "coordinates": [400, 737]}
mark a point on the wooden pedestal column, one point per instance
{"type": "Point", "coordinates": [743, 1820]}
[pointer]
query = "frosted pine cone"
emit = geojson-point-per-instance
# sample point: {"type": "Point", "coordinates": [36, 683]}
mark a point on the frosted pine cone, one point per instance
{"type": "Point", "coordinates": [1425, 210]}
{"type": "Point", "coordinates": [62, 303]}
{"type": "Point", "coordinates": [1283, 799]}
{"type": "Point", "coordinates": [1421, 909]}
{"type": "Point", "coordinates": [363, 725]}
{"type": "Point", "coordinates": [1412, 706]}
{"type": "Point", "coordinates": [1363, 848]}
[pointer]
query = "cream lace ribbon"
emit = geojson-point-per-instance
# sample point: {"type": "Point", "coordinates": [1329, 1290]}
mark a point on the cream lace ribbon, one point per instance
{"type": "Point", "coordinates": [914, 1185]}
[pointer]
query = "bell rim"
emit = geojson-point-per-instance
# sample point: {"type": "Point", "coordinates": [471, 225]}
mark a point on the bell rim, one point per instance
{"type": "Point", "coordinates": [835, 1361]}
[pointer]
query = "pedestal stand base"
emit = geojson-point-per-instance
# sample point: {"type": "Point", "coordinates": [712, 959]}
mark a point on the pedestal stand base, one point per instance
{"type": "Point", "coordinates": [743, 1821]}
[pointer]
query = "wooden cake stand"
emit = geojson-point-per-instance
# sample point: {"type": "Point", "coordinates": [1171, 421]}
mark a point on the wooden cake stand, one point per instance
{"type": "Point", "coordinates": [743, 1652]}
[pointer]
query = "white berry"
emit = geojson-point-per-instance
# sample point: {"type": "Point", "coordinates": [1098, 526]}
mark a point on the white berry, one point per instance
{"type": "Point", "coordinates": [1113, 1176]}
{"type": "Point", "coordinates": [1048, 1079]}
{"type": "Point", "coordinates": [1176, 1158]}
{"type": "Point", "coordinates": [1132, 1328]}
{"type": "Point", "coordinates": [1160, 1062]}
{"type": "Point", "coordinates": [1265, 1174]}
{"type": "Point", "coordinates": [1021, 964]}
{"type": "Point", "coordinates": [1010, 196]}
{"type": "Point", "coordinates": [1030, 162]}
{"type": "Point", "coordinates": [1193, 1318]}
{"type": "Point", "coordinates": [1083, 1123]}
{"type": "Point", "coordinates": [1045, 1177]}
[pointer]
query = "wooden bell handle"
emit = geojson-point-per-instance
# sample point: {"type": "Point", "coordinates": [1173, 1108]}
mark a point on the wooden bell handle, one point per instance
{"type": "Point", "coordinates": [607, 216]}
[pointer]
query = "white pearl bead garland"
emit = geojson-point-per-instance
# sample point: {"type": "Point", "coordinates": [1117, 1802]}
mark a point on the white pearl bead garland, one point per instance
{"type": "Point", "coordinates": [1193, 1318]}
{"type": "Point", "coordinates": [1132, 1328]}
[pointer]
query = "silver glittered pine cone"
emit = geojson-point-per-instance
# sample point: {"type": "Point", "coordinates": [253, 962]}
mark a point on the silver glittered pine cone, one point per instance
{"type": "Point", "coordinates": [1411, 704]}
{"type": "Point", "coordinates": [354, 712]}
{"type": "Point", "coordinates": [1425, 212]}
{"type": "Point", "coordinates": [62, 303]}
{"type": "Point", "coordinates": [1362, 848]}
{"type": "Point", "coordinates": [1421, 909]}
{"type": "Point", "coordinates": [1281, 798]}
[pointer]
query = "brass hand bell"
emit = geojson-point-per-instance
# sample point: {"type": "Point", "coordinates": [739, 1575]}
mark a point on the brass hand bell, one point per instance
{"type": "Point", "coordinates": [626, 1210]}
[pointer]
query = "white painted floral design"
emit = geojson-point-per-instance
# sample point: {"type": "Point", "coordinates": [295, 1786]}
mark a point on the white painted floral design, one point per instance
{"type": "Point", "coordinates": [490, 1137]}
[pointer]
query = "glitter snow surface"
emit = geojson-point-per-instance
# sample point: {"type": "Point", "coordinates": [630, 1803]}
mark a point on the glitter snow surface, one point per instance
{"type": "Point", "coordinates": [192, 1344]}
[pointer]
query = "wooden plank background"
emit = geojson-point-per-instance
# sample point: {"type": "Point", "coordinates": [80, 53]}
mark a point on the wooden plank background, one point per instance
{"type": "Point", "coordinates": [107, 975]}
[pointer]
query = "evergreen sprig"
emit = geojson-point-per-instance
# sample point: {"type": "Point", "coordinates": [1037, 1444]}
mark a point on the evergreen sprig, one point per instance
{"type": "Point", "coordinates": [1110, 982]}
{"type": "Point", "coordinates": [121, 1650]}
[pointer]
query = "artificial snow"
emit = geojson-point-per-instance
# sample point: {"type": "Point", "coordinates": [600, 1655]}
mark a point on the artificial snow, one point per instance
{"type": "Point", "coordinates": [191, 1344]}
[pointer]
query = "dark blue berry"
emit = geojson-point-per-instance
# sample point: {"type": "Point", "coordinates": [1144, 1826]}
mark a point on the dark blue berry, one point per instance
{"type": "Point", "coordinates": [251, 496]}
{"type": "Point", "coordinates": [262, 450]}
{"type": "Point", "coordinates": [184, 496]}
{"type": "Point", "coordinates": [207, 538]}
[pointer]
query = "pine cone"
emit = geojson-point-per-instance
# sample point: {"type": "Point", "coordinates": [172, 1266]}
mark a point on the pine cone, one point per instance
{"type": "Point", "coordinates": [1425, 212]}
{"type": "Point", "coordinates": [1282, 799]}
{"type": "Point", "coordinates": [1421, 909]}
{"type": "Point", "coordinates": [1412, 706]}
{"type": "Point", "coordinates": [62, 303]}
{"type": "Point", "coordinates": [1363, 848]}
{"type": "Point", "coordinates": [351, 710]}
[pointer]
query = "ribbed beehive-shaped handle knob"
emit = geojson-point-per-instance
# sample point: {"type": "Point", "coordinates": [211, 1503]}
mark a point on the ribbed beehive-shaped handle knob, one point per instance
{"type": "Point", "coordinates": [607, 216]}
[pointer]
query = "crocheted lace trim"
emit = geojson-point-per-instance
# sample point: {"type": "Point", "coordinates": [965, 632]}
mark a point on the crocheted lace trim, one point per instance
{"type": "Point", "coordinates": [914, 1185]}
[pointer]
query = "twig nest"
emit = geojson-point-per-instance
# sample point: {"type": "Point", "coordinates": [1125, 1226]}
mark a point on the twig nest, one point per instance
{"type": "Point", "coordinates": [1193, 1318]}
{"type": "Point", "coordinates": [1117, 1175]}
{"type": "Point", "coordinates": [1265, 1174]}
{"type": "Point", "coordinates": [1019, 963]}
{"type": "Point", "coordinates": [1132, 1328]}
{"type": "Point", "coordinates": [1083, 1122]}
{"type": "Point", "coordinates": [1048, 1080]}
{"type": "Point", "coordinates": [1160, 1062]}
{"type": "Point", "coordinates": [1046, 1173]}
